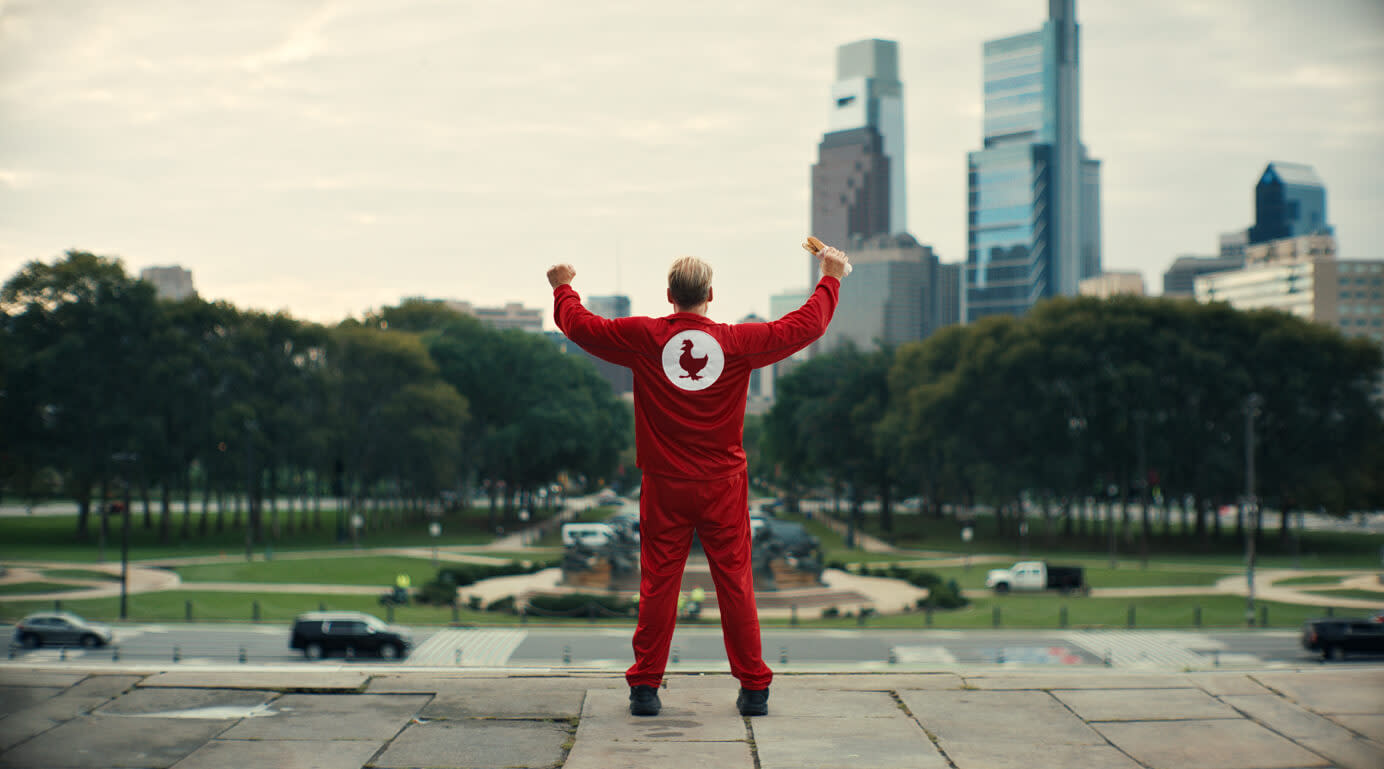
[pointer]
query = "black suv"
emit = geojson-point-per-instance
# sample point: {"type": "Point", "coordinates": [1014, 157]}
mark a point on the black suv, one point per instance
{"type": "Point", "coordinates": [321, 633]}
{"type": "Point", "coordinates": [1335, 637]}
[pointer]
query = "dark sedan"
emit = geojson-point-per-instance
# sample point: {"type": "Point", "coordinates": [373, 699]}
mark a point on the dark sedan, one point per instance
{"type": "Point", "coordinates": [60, 628]}
{"type": "Point", "coordinates": [1335, 637]}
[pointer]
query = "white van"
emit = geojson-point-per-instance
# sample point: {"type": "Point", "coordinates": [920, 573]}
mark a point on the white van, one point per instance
{"type": "Point", "coordinates": [588, 534]}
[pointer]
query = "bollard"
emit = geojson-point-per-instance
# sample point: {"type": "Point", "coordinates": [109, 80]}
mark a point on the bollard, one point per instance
{"type": "Point", "coordinates": [389, 614]}
{"type": "Point", "coordinates": [1263, 615]}
{"type": "Point", "coordinates": [1109, 660]}
{"type": "Point", "coordinates": [255, 612]}
{"type": "Point", "coordinates": [995, 616]}
{"type": "Point", "coordinates": [458, 656]}
{"type": "Point", "coordinates": [321, 605]}
{"type": "Point", "coordinates": [783, 655]}
{"type": "Point", "coordinates": [187, 611]}
{"type": "Point", "coordinates": [177, 654]}
{"type": "Point", "coordinates": [1130, 618]}
{"type": "Point", "coordinates": [927, 615]}
{"type": "Point", "coordinates": [1331, 611]}
{"type": "Point", "coordinates": [676, 654]}
{"type": "Point", "coordinates": [456, 613]}
{"type": "Point", "coordinates": [62, 654]}
{"type": "Point", "coordinates": [241, 657]}
{"type": "Point", "coordinates": [893, 656]}
{"type": "Point", "coordinates": [115, 654]}
{"type": "Point", "coordinates": [793, 617]}
{"type": "Point", "coordinates": [566, 655]}
{"type": "Point", "coordinates": [1196, 616]}
{"type": "Point", "coordinates": [1216, 658]}
{"type": "Point", "coordinates": [1062, 617]}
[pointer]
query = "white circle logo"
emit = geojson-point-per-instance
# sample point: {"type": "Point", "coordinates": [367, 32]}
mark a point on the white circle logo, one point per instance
{"type": "Point", "coordinates": [693, 360]}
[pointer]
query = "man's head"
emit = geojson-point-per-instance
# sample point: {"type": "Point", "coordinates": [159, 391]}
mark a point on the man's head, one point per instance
{"type": "Point", "coordinates": [689, 283]}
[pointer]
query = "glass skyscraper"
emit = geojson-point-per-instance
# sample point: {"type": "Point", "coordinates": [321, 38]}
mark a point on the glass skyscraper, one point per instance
{"type": "Point", "coordinates": [1289, 200]}
{"type": "Point", "coordinates": [1033, 227]}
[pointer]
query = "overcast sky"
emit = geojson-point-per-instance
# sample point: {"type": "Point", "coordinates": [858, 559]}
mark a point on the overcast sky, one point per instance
{"type": "Point", "coordinates": [330, 157]}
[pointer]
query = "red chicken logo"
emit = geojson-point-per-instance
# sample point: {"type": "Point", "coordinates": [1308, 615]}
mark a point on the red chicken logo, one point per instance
{"type": "Point", "coordinates": [693, 360]}
{"type": "Point", "coordinates": [691, 363]}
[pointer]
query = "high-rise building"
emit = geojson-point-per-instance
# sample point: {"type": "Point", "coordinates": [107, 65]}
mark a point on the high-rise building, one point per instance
{"type": "Point", "coordinates": [1289, 200]}
{"type": "Point", "coordinates": [858, 183]}
{"type": "Point", "coordinates": [891, 296]}
{"type": "Point", "coordinates": [1033, 227]}
{"type": "Point", "coordinates": [613, 306]}
{"type": "Point", "coordinates": [170, 283]}
{"type": "Point", "coordinates": [512, 315]}
{"type": "Point", "coordinates": [1180, 279]}
{"type": "Point", "coordinates": [951, 294]}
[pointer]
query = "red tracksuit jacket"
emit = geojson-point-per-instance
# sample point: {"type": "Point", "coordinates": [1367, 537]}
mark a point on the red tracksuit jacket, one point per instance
{"type": "Point", "coordinates": [691, 375]}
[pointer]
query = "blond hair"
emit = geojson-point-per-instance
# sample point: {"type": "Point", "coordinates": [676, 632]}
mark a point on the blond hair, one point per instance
{"type": "Point", "coordinates": [689, 281]}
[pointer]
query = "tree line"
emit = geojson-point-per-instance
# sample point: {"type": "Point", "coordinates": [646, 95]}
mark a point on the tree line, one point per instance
{"type": "Point", "coordinates": [1129, 403]}
{"type": "Point", "coordinates": [104, 387]}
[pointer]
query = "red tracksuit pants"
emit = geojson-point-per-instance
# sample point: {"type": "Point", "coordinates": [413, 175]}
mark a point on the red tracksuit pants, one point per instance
{"type": "Point", "coordinates": [670, 509]}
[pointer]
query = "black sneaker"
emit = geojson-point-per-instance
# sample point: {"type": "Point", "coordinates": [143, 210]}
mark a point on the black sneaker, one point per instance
{"type": "Point", "coordinates": [644, 701]}
{"type": "Point", "coordinates": [753, 702]}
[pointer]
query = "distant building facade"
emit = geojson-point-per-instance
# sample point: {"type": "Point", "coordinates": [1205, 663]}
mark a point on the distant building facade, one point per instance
{"type": "Point", "coordinates": [613, 306]}
{"type": "Point", "coordinates": [1033, 202]}
{"type": "Point", "coordinates": [859, 182]}
{"type": "Point", "coordinates": [170, 283]}
{"type": "Point", "coordinates": [1180, 278]}
{"type": "Point", "coordinates": [891, 297]}
{"type": "Point", "coordinates": [1289, 201]}
{"type": "Point", "coordinates": [511, 315]}
{"type": "Point", "coordinates": [1108, 284]}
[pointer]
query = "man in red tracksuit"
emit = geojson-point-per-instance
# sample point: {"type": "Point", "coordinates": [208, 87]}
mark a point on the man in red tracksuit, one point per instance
{"type": "Point", "coordinates": [691, 376]}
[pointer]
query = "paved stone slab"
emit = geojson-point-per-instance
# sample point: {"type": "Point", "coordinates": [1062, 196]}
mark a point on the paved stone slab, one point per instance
{"type": "Point", "coordinates": [20, 677]}
{"type": "Point", "coordinates": [83, 697]}
{"type": "Point", "coordinates": [688, 716]}
{"type": "Point", "coordinates": [280, 754]}
{"type": "Point", "coordinates": [508, 698]}
{"type": "Point", "coordinates": [1370, 726]}
{"type": "Point", "coordinates": [477, 744]}
{"type": "Point", "coordinates": [1356, 691]}
{"type": "Point", "coordinates": [868, 683]}
{"type": "Point", "coordinates": [594, 754]}
{"type": "Point", "coordinates": [1096, 680]}
{"type": "Point", "coordinates": [286, 681]}
{"type": "Point", "coordinates": [828, 704]}
{"type": "Point", "coordinates": [188, 703]}
{"type": "Point", "coordinates": [111, 742]}
{"type": "Point", "coordinates": [1349, 754]}
{"type": "Point", "coordinates": [1216, 744]}
{"type": "Point", "coordinates": [413, 683]}
{"type": "Point", "coordinates": [1013, 755]}
{"type": "Point", "coordinates": [1226, 683]}
{"type": "Point", "coordinates": [846, 742]}
{"type": "Point", "coordinates": [1034, 719]}
{"type": "Point", "coordinates": [16, 698]}
{"type": "Point", "coordinates": [1286, 718]}
{"type": "Point", "coordinates": [331, 716]}
{"type": "Point", "coordinates": [1143, 704]}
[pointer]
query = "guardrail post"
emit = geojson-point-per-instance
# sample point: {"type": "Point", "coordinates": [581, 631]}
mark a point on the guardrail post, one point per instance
{"type": "Point", "coordinates": [1130, 620]}
{"type": "Point", "coordinates": [995, 618]}
{"type": "Point", "coordinates": [1196, 615]}
{"type": "Point", "coordinates": [187, 611]}
{"type": "Point", "coordinates": [255, 611]}
{"type": "Point", "coordinates": [389, 613]}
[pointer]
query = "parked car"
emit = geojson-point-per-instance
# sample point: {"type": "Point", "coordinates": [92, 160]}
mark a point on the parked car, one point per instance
{"type": "Point", "coordinates": [590, 535]}
{"type": "Point", "coordinates": [1038, 575]}
{"type": "Point", "coordinates": [60, 628]}
{"type": "Point", "coordinates": [322, 633]}
{"type": "Point", "coordinates": [1335, 637]}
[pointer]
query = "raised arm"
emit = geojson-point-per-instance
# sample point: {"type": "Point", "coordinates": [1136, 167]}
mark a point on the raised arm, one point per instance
{"type": "Point", "coordinates": [605, 338]}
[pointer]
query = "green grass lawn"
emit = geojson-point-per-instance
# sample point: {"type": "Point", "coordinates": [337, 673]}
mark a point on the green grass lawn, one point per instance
{"type": "Point", "coordinates": [53, 537]}
{"type": "Point", "coordinates": [364, 570]}
{"type": "Point", "coordinates": [1097, 576]}
{"type": "Point", "coordinates": [549, 554]}
{"type": "Point", "coordinates": [31, 588]}
{"type": "Point", "coordinates": [79, 574]}
{"type": "Point", "coordinates": [1318, 580]}
{"type": "Point", "coordinates": [1363, 595]}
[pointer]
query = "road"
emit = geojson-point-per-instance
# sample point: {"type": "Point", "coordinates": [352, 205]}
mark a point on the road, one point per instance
{"type": "Point", "coordinates": [701, 648]}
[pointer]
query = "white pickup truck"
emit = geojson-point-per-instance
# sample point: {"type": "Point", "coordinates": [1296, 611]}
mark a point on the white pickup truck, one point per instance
{"type": "Point", "coordinates": [1033, 576]}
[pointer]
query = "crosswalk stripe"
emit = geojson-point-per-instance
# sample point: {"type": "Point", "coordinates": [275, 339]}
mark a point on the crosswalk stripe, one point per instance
{"type": "Point", "coordinates": [479, 648]}
{"type": "Point", "coordinates": [1149, 649]}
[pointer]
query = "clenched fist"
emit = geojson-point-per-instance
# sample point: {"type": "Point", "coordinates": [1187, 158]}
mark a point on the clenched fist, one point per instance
{"type": "Point", "coordinates": [835, 262]}
{"type": "Point", "coordinates": [561, 275]}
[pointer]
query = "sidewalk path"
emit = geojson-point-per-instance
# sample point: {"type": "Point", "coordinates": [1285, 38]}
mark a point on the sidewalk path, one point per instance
{"type": "Point", "coordinates": [347, 717]}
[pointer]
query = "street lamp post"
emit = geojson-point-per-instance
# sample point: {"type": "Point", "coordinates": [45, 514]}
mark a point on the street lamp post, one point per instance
{"type": "Point", "coordinates": [1252, 405]}
{"type": "Point", "coordinates": [126, 459]}
{"type": "Point", "coordinates": [435, 529]}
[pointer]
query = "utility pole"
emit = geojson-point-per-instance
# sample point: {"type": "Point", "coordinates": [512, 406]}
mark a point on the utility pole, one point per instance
{"type": "Point", "coordinates": [1251, 504]}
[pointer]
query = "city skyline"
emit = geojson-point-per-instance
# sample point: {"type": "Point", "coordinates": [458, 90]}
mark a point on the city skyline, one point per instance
{"type": "Point", "coordinates": [328, 158]}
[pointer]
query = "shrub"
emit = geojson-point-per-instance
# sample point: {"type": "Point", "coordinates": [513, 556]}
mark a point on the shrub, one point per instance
{"type": "Point", "coordinates": [580, 604]}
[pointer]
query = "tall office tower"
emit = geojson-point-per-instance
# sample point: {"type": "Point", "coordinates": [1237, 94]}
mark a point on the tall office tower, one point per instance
{"type": "Point", "coordinates": [858, 183]}
{"type": "Point", "coordinates": [1289, 200]}
{"type": "Point", "coordinates": [1180, 278]}
{"type": "Point", "coordinates": [892, 295]}
{"type": "Point", "coordinates": [1033, 227]}
{"type": "Point", "coordinates": [170, 283]}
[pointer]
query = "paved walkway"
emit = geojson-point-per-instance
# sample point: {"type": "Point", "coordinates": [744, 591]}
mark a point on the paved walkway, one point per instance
{"type": "Point", "coordinates": [348, 717]}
